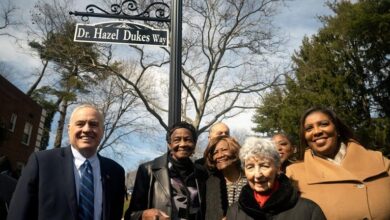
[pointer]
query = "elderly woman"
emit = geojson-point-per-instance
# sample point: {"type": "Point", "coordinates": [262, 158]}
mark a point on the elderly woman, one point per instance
{"type": "Point", "coordinates": [268, 194]}
{"type": "Point", "coordinates": [226, 180]}
{"type": "Point", "coordinates": [345, 179]}
{"type": "Point", "coordinates": [285, 148]}
{"type": "Point", "coordinates": [170, 186]}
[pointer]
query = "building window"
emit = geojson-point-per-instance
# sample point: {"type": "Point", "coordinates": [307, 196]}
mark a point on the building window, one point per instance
{"type": "Point", "coordinates": [12, 122]}
{"type": "Point", "coordinates": [27, 133]}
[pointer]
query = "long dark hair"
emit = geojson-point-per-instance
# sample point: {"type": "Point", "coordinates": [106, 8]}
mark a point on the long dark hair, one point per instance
{"type": "Point", "coordinates": [344, 132]}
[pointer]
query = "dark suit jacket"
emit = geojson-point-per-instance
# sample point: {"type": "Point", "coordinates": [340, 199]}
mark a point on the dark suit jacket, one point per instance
{"type": "Point", "coordinates": [46, 189]}
{"type": "Point", "coordinates": [152, 188]}
{"type": "Point", "coordinates": [7, 187]}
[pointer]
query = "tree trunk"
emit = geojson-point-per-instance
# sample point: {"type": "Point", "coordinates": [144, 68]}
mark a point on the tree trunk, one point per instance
{"type": "Point", "coordinates": [61, 124]}
{"type": "Point", "coordinates": [34, 86]}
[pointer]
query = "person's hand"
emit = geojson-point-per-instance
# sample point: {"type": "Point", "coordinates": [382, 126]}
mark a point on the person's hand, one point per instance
{"type": "Point", "coordinates": [154, 214]}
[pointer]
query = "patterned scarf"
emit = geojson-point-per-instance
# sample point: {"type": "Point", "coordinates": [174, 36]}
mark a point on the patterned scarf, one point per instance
{"type": "Point", "coordinates": [184, 189]}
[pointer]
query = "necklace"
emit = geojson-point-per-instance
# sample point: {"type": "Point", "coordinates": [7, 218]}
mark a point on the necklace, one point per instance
{"type": "Point", "coordinates": [234, 189]}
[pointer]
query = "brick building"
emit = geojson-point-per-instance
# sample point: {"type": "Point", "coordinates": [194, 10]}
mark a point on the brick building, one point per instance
{"type": "Point", "coordinates": [21, 125]}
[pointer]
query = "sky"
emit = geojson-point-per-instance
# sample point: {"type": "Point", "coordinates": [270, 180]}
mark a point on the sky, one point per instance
{"type": "Point", "coordinates": [298, 19]}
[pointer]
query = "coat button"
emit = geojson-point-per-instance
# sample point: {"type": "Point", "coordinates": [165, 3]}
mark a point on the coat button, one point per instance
{"type": "Point", "coordinates": [360, 186]}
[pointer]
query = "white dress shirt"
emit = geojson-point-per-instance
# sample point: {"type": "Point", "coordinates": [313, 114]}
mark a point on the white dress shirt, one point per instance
{"type": "Point", "coordinates": [78, 160]}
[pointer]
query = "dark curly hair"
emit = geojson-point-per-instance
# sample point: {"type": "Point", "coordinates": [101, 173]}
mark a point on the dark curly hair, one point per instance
{"type": "Point", "coordinates": [181, 124]}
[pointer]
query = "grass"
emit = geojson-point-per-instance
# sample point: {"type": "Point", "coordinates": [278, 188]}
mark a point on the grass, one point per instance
{"type": "Point", "coordinates": [126, 205]}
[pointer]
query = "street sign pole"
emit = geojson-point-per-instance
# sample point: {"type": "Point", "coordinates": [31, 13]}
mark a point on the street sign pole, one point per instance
{"type": "Point", "coordinates": [175, 67]}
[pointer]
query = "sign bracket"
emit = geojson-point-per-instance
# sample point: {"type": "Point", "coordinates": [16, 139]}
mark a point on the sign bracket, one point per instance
{"type": "Point", "coordinates": [157, 11]}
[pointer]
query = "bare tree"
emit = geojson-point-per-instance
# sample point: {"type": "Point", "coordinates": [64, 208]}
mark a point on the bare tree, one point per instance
{"type": "Point", "coordinates": [122, 111]}
{"type": "Point", "coordinates": [7, 17]}
{"type": "Point", "coordinates": [226, 45]}
{"type": "Point", "coordinates": [224, 59]}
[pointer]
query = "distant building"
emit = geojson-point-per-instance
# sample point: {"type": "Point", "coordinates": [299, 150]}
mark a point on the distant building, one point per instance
{"type": "Point", "coordinates": [21, 125]}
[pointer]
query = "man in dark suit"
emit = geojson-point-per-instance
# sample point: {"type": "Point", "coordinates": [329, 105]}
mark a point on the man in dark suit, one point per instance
{"type": "Point", "coordinates": [53, 182]}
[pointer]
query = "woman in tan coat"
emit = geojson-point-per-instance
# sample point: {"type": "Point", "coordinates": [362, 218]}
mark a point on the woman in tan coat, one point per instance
{"type": "Point", "coordinates": [346, 180]}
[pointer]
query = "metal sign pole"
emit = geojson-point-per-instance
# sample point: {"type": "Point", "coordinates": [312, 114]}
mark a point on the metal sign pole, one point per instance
{"type": "Point", "coordinates": [175, 67]}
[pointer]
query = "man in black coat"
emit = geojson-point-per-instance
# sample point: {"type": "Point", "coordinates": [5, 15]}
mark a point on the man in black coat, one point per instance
{"type": "Point", "coordinates": [50, 183]}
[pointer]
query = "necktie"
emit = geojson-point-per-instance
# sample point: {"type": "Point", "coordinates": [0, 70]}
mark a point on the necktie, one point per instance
{"type": "Point", "coordinates": [86, 194]}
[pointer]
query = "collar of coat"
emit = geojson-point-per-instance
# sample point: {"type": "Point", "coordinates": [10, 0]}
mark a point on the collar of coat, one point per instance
{"type": "Point", "coordinates": [281, 200]}
{"type": "Point", "coordinates": [358, 164]}
{"type": "Point", "coordinates": [161, 163]}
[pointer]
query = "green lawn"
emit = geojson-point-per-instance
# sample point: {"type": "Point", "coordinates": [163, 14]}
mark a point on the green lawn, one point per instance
{"type": "Point", "coordinates": [126, 205]}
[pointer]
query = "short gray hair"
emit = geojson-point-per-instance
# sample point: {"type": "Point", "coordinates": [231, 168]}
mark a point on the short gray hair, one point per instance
{"type": "Point", "coordinates": [92, 106]}
{"type": "Point", "coordinates": [259, 147]}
